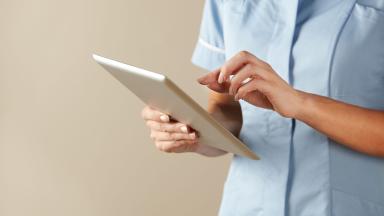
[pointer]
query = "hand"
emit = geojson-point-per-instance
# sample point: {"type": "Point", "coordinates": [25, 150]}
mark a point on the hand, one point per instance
{"type": "Point", "coordinates": [265, 89]}
{"type": "Point", "coordinates": [169, 135]}
{"type": "Point", "coordinates": [172, 136]}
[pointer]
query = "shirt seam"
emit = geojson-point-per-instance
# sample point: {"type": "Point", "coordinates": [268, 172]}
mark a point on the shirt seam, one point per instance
{"type": "Point", "coordinates": [332, 48]}
{"type": "Point", "coordinates": [211, 47]}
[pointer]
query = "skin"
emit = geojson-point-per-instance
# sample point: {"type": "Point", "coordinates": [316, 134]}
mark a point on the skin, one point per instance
{"type": "Point", "coordinates": [169, 136]}
{"type": "Point", "coordinates": [266, 89]}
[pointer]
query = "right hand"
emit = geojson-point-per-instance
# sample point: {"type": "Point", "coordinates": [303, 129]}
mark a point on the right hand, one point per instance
{"type": "Point", "coordinates": [168, 134]}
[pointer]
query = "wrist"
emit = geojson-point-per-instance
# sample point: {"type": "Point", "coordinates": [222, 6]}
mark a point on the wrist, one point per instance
{"type": "Point", "coordinates": [304, 105]}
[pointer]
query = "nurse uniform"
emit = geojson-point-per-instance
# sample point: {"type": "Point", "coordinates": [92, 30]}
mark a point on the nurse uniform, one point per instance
{"type": "Point", "coordinates": [333, 48]}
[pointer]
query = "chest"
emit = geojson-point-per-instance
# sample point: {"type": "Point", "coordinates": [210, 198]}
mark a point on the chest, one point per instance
{"type": "Point", "coordinates": [336, 48]}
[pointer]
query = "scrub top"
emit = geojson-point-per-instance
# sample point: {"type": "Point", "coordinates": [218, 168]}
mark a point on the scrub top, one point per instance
{"type": "Point", "coordinates": [333, 48]}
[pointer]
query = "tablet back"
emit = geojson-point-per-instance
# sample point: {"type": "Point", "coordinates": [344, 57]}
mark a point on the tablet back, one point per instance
{"type": "Point", "coordinates": [157, 91]}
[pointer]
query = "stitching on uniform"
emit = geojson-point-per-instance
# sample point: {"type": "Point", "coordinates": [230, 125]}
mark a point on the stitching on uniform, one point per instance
{"type": "Point", "coordinates": [211, 47]}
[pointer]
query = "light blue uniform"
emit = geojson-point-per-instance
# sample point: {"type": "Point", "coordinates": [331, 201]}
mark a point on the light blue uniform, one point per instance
{"type": "Point", "coordinates": [333, 48]}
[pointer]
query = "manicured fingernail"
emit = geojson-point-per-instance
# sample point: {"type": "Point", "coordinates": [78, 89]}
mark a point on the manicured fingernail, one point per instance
{"type": "Point", "coordinates": [192, 135]}
{"type": "Point", "coordinates": [184, 129]}
{"type": "Point", "coordinates": [220, 80]}
{"type": "Point", "coordinates": [201, 80]}
{"type": "Point", "coordinates": [164, 118]}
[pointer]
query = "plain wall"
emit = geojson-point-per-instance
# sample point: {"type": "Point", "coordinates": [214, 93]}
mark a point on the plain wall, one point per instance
{"type": "Point", "coordinates": [71, 138]}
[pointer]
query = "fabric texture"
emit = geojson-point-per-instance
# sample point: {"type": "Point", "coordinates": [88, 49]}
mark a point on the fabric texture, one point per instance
{"type": "Point", "coordinates": [333, 48]}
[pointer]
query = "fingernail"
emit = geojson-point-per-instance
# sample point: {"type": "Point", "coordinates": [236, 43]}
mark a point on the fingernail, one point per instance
{"type": "Point", "coordinates": [164, 118]}
{"type": "Point", "coordinates": [200, 80]}
{"type": "Point", "coordinates": [220, 80]}
{"type": "Point", "coordinates": [184, 129]}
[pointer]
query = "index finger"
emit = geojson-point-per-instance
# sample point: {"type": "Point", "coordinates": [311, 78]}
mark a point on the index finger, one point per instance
{"type": "Point", "coordinates": [149, 113]}
{"type": "Point", "coordinates": [169, 127]}
{"type": "Point", "coordinates": [234, 64]}
{"type": "Point", "coordinates": [209, 78]}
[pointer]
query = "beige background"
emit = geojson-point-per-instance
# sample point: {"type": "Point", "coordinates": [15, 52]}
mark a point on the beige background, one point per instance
{"type": "Point", "coordinates": [71, 138]}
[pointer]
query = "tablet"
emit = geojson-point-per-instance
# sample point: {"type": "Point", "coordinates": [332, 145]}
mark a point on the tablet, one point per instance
{"type": "Point", "coordinates": [158, 91]}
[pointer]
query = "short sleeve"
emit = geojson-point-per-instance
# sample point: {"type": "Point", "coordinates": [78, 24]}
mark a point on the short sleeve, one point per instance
{"type": "Point", "coordinates": [209, 52]}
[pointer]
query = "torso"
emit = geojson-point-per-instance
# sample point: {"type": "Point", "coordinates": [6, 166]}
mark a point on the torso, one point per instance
{"type": "Point", "coordinates": [333, 48]}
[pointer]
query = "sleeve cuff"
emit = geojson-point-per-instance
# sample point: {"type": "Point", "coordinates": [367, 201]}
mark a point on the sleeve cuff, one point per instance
{"type": "Point", "coordinates": [207, 56]}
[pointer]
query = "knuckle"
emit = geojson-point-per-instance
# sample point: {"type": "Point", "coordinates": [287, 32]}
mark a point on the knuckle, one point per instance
{"type": "Point", "coordinates": [173, 136]}
{"type": "Point", "coordinates": [235, 84]}
{"type": "Point", "coordinates": [170, 128]}
{"type": "Point", "coordinates": [171, 147]}
{"type": "Point", "coordinates": [268, 75]}
{"type": "Point", "coordinates": [161, 148]}
{"type": "Point", "coordinates": [143, 112]}
{"type": "Point", "coordinates": [152, 124]}
{"type": "Point", "coordinates": [177, 144]}
{"type": "Point", "coordinates": [189, 142]}
{"type": "Point", "coordinates": [178, 126]}
{"type": "Point", "coordinates": [167, 149]}
{"type": "Point", "coordinates": [161, 127]}
{"type": "Point", "coordinates": [240, 91]}
{"type": "Point", "coordinates": [267, 65]}
{"type": "Point", "coordinates": [183, 136]}
{"type": "Point", "coordinates": [243, 53]}
{"type": "Point", "coordinates": [252, 67]}
{"type": "Point", "coordinates": [158, 145]}
{"type": "Point", "coordinates": [153, 135]}
{"type": "Point", "coordinates": [168, 136]}
{"type": "Point", "coordinates": [253, 71]}
{"type": "Point", "coordinates": [148, 123]}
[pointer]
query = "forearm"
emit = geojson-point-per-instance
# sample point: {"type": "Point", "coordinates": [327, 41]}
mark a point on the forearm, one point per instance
{"type": "Point", "coordinates": [355, 127]}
